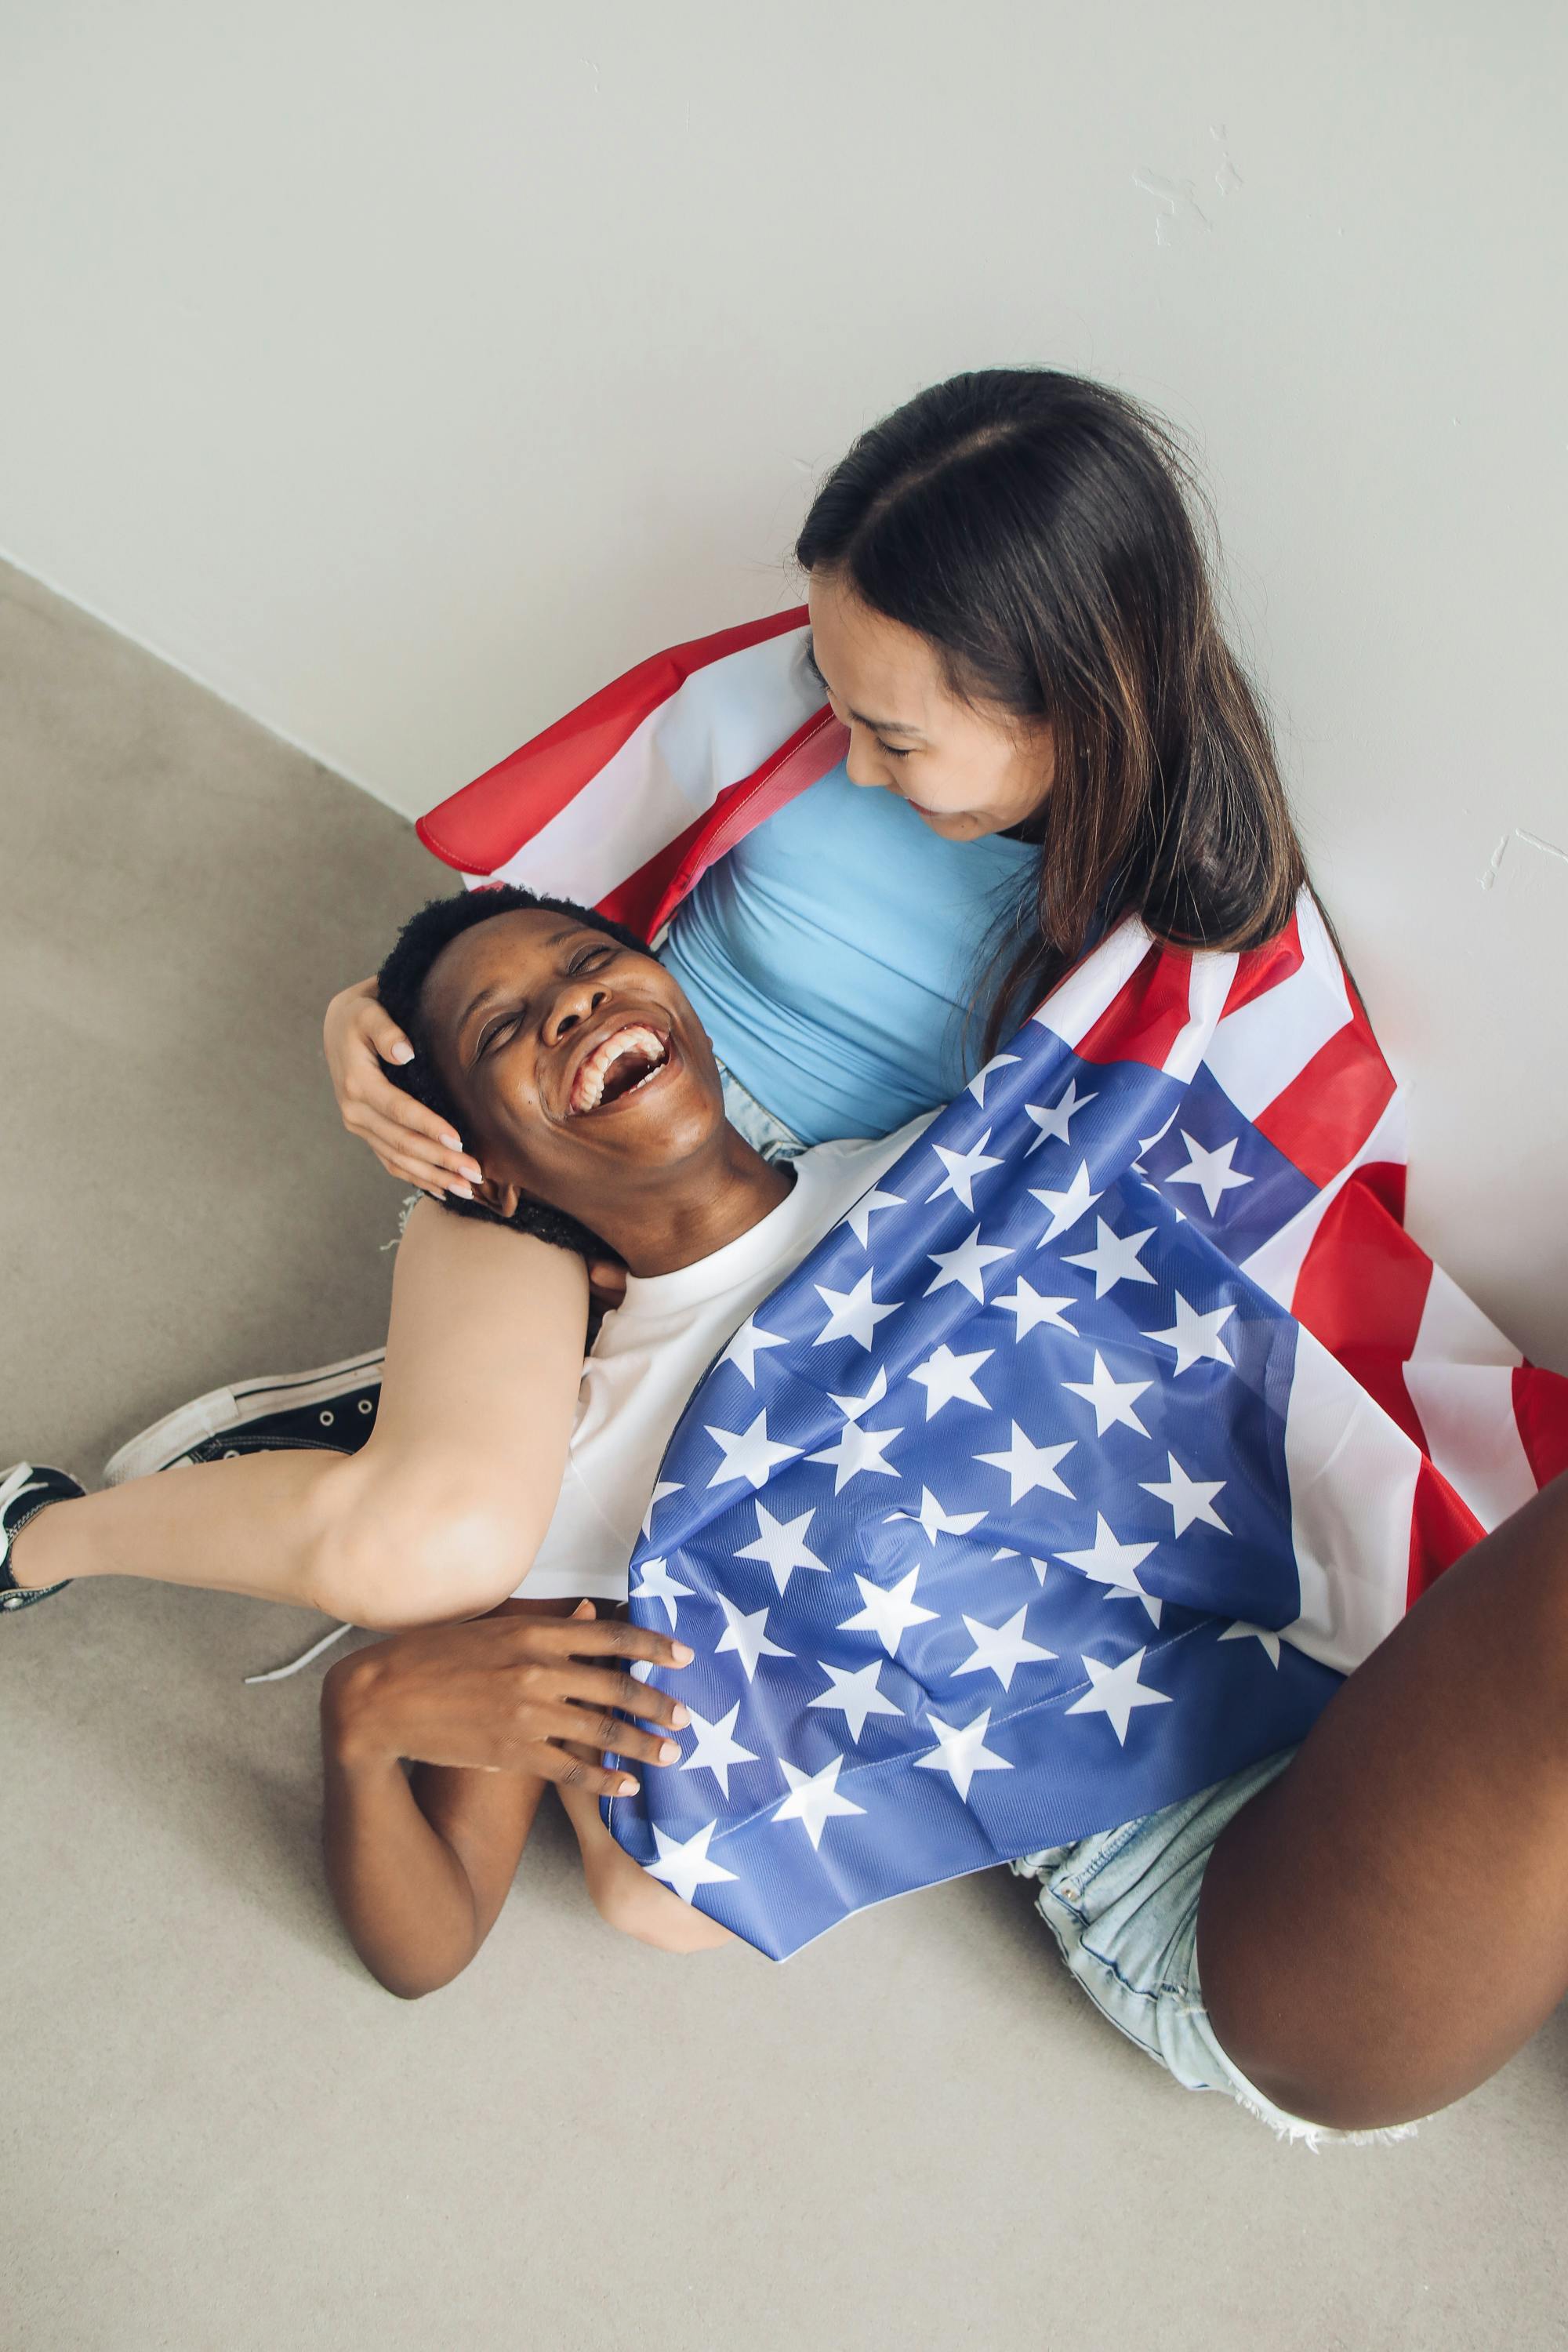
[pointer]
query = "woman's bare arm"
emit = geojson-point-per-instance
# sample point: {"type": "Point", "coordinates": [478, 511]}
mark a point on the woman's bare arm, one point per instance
{"type": "Point", "coordinates": [419, 1866]}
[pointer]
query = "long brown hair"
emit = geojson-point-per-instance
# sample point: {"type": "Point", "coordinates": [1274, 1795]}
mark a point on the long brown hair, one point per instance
{"type": "Point", "coordinates": [1042, 533]}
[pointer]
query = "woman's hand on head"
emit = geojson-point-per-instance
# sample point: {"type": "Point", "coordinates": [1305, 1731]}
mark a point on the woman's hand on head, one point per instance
{"type": "Point", "coordinates": [410, 1141]}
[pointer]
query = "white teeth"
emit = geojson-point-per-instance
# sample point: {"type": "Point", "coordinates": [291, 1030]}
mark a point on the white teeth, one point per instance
{"type": "Point", "coordinates": [588, 1086]}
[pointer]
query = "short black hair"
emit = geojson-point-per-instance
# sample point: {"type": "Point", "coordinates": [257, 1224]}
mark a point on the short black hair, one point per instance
{"type": "Point", "coordinates": [400, 985]}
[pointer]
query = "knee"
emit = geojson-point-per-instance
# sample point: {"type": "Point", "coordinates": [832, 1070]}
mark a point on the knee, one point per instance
{"type": "Point", "coordinates": [628, 1900]}
{"type": "Point", "coordinates": [400, 1550]}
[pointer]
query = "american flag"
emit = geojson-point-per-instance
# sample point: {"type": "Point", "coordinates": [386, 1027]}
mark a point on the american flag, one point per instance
{"type": "Point", "coordinates": [1074, 1467]}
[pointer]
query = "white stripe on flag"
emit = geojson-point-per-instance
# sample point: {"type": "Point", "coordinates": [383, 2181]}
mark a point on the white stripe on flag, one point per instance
{"type": "Point", "coordinates": [1071, 1011]}
{"type": "Point", "coordinates": [1465, 1411]}
{"type": "Point", "coordinates": [718, 727]}
{"type": "Point", "coordinates": [1261, 1047]}
{"type": "Point", "coordinates": [1353, 1477]}
{"type": "Point", "coordinates": [1460, 1380]}
{"type": "Point", "coordinates": [1209, 985]}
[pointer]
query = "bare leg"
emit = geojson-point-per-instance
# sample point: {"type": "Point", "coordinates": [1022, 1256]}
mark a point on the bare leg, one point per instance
{"type": "Point", "coordinates": [1385, 1924]}
{"type": "Point", "coordinates": [625, 1894]}
{"type": "Point", "coordinates": [441, 1511]}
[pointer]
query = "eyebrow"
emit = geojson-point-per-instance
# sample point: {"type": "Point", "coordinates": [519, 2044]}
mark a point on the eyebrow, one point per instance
{"type": "Point", "coordinates": [883, 726]}
{"type": "Point", "coordinates": [501, 988]}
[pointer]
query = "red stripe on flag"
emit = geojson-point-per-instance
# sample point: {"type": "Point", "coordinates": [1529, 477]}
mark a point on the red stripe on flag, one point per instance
{"type": "Point", "coordinates": [1258, 970]}
{"type": "Point", "coordinates": [810, 753]}
{"type": "Point", "coordinates": [1328, 1109]}
{"type": "Point", "coordinates": [1363, 1287]}
{"type": "Point", "coordinates": [650, 897]}
{"type": "Point", "coordinates": [1442, 1528]}
{"type": "Point", "coordinates": [1541, 1409]}
{"type": "Point", "coordinates": [1147, 1014]}
{"type": "Point", "coordinates": [480, 827]}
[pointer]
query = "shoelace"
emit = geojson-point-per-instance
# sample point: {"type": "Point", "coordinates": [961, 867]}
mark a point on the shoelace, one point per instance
{"type": "Point", "coordinates": [306, 1658]}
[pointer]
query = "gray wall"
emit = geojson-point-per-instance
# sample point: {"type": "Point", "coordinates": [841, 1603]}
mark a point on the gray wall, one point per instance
{"type": "Point", "coordinates": [405, 373]}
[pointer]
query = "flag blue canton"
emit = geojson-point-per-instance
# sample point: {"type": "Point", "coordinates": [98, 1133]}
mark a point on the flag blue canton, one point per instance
{"type": "Point", "coordinates": [980, 1529]}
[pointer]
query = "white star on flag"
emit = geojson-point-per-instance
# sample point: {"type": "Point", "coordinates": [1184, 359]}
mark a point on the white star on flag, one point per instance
{"type": "Point", "coordinates": [851, 1314]}
{"type": "Point", "coordinates": [747, 1345]}
{"type": "Point", "coordinates": [966, 1264]}
{"type": "Point", "coordinates": [1117, 1691]}
{"type": "Point", "coordinates": [1054, 1122]}
{"type": "Point", "coordinates": [717, 1747]}
{"type": "Point", "coordinates": [1196, 1336]}
{"type": "Point", "coordinates": [657, 1584]}
{"type": "Point", "coordinates": [977, 1083]}
{"type": "Point", "coordinates": [1029, 1465]}
{"type": "Point", "coordinates": [1116, 1564]}
{"type": "Point", "coordinates": [1114, 1257]}
{"type": "Point", "coordinates": [1112, 1399]}
{"type": "Point", "coordinates": [961, 1752]}
{"type": "Point", "coordinates": [1242, 1632]}
{"type": "Point", "coordinates": [889, 1613]}
{"type": "Point", "coordinates": [855, 1408]}
{"type": "Point", "coordinates": [1190, 1498]}
{"type": "Point", "coordinates": [946, 1378]}
{"type": "Point", "coordinates": [1066, 1207]}
{"type": "Point", "coordinates": [747, 1636]}
{"type": "Point", "coordinates": [963, 1168]}
{"type": "Point", "coordinates": [685, 1865]}
{"type": "Point", "coordinates": [812, 1796]}
{"type": "Point", "coordinates": [662, 1486]}
{"type": "Point", "coordinates": [934, 1521]}
{"type": "Point", "coordinates": [782, 1543]}
{"type": "Point", "coordinates": [859, 1218]}
{"type": "Point", "coordinates": [1031, 1307]}
{"type": "Point", "coordinates": [1001, 1649]}
{"type": "Point", "coordinates": [854, 1695]}
{"type": "Point", "coordinates": [855, 1449]}
{"type": "Point", "coordinates": [748, 1453]}
{"type": "Point", "coordinates": [1211, 1171]}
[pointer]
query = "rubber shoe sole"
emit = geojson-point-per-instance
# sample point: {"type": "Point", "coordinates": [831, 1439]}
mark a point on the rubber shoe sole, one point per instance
{"type": "Point", "coordinates": [225, 1411]}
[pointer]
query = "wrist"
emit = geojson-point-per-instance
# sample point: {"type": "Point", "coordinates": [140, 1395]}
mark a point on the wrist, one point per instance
{"type": "Point", "coordinates": [353, 1731]}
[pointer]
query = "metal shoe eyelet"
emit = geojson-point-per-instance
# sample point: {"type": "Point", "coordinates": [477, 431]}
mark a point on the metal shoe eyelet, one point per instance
{"type": "Point", "coordinates": [326, 1420]}
{"type": "Point", "coordinates": [365, 1405]}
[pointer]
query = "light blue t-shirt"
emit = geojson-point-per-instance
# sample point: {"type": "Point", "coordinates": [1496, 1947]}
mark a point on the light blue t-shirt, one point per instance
{"type": "Point", "coordinates": [834, 954]}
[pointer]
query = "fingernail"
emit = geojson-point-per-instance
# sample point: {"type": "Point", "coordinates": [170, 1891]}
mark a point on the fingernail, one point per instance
{"type": "Point", "coordinates": [668, 1750]}
{"type": "Point", "coordinates": [681, 1654]}
{"type": "Point", "coordinates": [463, 1191]}
{"type": "Point", "coordinates": [628, 1788]}
{"type": "Point", "coordinates": [473, 1172]}
{"type": "Point", "coordinates": [452, 1142]}
{"type": "Point", "coordinates": [403, 1053]}
{"type": "Point", "coordinates": [679, 1717]}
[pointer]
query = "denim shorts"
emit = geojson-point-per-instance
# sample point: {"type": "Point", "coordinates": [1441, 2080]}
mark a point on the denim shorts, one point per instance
{"type": "Point", "coordinates": [1123, 1906]}
{"type": "Point", "coordinates": [762, 1130]}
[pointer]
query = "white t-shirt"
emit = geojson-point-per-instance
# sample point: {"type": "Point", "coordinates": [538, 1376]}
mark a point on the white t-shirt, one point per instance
{"type": "Point", "coordinates": [650, 1354]}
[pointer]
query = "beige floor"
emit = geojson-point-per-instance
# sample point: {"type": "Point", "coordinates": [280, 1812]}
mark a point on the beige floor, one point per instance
{"type": "Point", "coordinates": [215, 2133]}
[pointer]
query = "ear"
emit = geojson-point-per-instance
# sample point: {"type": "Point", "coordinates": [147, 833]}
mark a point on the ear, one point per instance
{"type": "Point", "coordinates": [499, 1198]}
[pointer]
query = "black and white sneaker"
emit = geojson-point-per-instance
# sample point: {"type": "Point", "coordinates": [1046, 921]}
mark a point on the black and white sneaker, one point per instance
{"type": "Point", "coordinates": [332, 1410]}
{"type": "Point", "coordinates": [24, 1493]}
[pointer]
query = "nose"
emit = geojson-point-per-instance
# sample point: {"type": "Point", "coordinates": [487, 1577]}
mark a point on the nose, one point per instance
{"type": "Point", "coordinates": [856, 766]}
{"type": "Point", "coordinates": [576, 1000]}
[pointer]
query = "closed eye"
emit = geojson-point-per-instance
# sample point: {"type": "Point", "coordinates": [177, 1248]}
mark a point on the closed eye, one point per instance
{"type": "Point", "coordinates": [497, 1029]}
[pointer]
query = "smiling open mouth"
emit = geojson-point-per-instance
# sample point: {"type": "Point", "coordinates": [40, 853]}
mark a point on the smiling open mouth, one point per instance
{"type": "Point", "coordinates": [616, 1068]}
